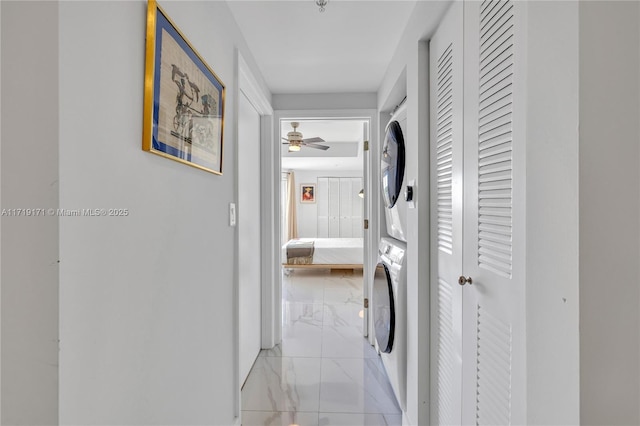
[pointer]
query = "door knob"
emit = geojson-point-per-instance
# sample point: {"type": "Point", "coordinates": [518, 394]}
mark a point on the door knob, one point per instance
{"type": "Point", "coordinates": [464, 280]}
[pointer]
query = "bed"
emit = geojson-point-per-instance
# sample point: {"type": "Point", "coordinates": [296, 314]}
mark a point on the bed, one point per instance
{"type": "Point", "coordinates": [328, 253]}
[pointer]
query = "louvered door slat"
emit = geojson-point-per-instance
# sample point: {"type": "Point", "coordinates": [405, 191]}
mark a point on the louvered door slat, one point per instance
{"type": "Point", "coordinates": [497, 44]}
{"type": "Point", "coordinates": [445, 149]}
{"type": "Point", "coordinates": [502, 33]}
{"type": "Point", "coordinates": [495, 144]}
{"type": "Point", "coordinates": [445, 353]}
{"type": "Point", "coordinates": [495, 128]}
{"type": "Point", "coordinates": [494, 67]}
{"type": "Point", "coordinates": [493, 113]}
{"type": "Point", "coordinates": [491, 20]}
{"type": "Point", "coordinates": [495, 176]}
{"type": "Point", "coordinates": [493, 370]}
{"type": "Point", "coordinates": [498, 247]}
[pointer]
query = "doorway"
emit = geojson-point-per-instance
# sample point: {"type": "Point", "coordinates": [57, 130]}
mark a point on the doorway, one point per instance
{"type": "Point", "coordinates": [323, 200]}
{"type": "Point", "coordinates": [282, 119]}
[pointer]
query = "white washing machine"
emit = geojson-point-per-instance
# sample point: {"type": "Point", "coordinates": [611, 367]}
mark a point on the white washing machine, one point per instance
{"type": "Point", "coordinates": [392, 162]}
{"type": "Point", "coordinates": [390, 314]}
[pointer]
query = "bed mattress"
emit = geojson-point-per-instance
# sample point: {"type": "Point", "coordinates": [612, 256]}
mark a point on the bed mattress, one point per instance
{"type": "Point", "coordinates": [333, 251]}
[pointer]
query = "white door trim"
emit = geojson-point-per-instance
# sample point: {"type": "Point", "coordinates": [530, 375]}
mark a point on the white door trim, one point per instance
{"type": "Point", "coordinates": [249, 86]}
{"type": "Point", "coordinates": [371, 237]}
{"type": "Point", "coordinates": [248, 229]}
{"type": "Point", "coordinates": [269, 240]}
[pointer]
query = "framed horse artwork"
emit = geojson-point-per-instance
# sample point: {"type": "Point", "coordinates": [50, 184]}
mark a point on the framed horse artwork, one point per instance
{"type": "Point", "coordinates": [183, 98]}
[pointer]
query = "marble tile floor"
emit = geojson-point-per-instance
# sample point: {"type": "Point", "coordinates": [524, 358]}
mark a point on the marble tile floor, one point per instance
{"type": "Point", "coordinates": [324, 373]}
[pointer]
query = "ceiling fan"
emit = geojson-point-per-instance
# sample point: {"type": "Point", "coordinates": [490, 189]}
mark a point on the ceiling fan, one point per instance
{"type": "Point", "coordinates": [295, 141]}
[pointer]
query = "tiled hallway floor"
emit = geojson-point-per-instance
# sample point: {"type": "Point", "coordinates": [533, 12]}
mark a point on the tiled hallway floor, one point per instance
{"type": "Point", "coordinates": [324, 373]}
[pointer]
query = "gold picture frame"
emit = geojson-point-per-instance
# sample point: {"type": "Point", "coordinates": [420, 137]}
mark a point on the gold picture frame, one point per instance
{"type": "Point", "coordinates": [183, 98]}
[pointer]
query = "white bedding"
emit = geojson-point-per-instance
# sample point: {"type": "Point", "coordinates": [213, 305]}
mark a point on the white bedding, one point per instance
{"type": "Point", "coordinates": [333, 251]}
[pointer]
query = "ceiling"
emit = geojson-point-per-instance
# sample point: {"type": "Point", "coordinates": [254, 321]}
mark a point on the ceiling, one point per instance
{"type": "Point", "coordinates": [300, 50]}
{"type": "Point", "coordinates": [345, 49]}
{"type": "Point", "coordinates": [343, 136]}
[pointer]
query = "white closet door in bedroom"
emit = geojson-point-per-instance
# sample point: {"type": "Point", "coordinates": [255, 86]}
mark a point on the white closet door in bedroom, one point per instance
{"type": "Point", "coordinates": [345, 208]}
{"type": "Point", "coordinates": [334, 207]}
{"type": "Point", "coordinates": [322, 203]}
{"type": "Point", "coordinates": [478, 199]}
{"type": "Point", "coordinates": [357, 206]}
{"type": "Point", "coordinates": [339, 207]}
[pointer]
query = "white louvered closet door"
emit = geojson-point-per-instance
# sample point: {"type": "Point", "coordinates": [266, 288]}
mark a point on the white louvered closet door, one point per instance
{"type": "Point", "coordinates": [478, 198]}
{"type": "Point", "coordinates": [494, 332]}
{"type": "Point", "coordinates": [446, 80]}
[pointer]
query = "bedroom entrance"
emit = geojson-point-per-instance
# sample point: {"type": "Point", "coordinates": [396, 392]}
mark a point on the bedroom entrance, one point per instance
{"type": "Point", "coordinates": [336, 175]}
{"type": "Point", "coordinates": [323, 199]}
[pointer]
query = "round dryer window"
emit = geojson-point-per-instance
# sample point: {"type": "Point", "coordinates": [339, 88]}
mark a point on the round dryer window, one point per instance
{"type": "Point", "coordinates": [392, 164]}
{"type": "Point", "coordinates": [384, 315]}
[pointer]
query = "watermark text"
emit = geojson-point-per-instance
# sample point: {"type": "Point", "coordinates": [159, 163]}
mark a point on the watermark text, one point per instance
{"type": "Point", "coordinates": [31, 212]}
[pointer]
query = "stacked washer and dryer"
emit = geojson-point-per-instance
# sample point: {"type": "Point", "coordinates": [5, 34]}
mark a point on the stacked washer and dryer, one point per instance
{"type": "Point", "coordinates": [390, 278]}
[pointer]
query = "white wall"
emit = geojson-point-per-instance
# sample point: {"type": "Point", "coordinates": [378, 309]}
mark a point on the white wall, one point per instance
{"type": "Point", "coordinates": [29, 176]}
{"type": "Point", "coordinates": [552, 300]}
{"type": "Point", "coordinates": [308, 212]}
{"type": "Point", "coordinates": [301, 101]}
{"type": "Point", "coordinates": [422, 24]}
{"type": "Point", "coordinates": [147, 300]}
{"type": "Point", "coordinates": [609, 211]}
{"type": "Point", "coordinates": [0, 220]}
{"type": "Point", "coordinates": [409, 67]}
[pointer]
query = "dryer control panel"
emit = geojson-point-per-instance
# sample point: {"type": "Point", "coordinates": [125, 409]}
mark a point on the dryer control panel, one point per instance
{"type": "Point", "coordinates": [392, 251]}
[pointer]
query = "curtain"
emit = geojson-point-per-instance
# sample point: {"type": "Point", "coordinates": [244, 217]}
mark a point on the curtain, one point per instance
{"type": "Point", "coordinates": [292, 217]}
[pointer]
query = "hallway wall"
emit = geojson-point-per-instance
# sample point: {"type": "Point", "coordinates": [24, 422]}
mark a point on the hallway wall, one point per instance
{"type": "Point", "coordinates": [29, 241]}
{"type": "Point", "coordinates": [609, 212]}
{"type": "Point", "coordinates": [552, 278]}
{"type": "Point", "coordinates": [147, 301]}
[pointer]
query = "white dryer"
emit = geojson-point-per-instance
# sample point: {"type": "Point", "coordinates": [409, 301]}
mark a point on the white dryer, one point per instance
{"type": "Point", "coordinates": [390, 314]}
{"type": "Point", "coordinates": [392, 162]}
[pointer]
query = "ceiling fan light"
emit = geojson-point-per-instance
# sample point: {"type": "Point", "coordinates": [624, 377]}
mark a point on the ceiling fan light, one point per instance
{"type": "Point", "coordinates": [294, 148]}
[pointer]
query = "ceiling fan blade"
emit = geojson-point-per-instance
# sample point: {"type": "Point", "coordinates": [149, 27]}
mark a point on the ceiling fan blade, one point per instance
{"type": "Point", "coordinates": [285, 139]}
{"type": "Point", "coordinates": [312, 145]}
{"type": "Point", "coordinates": [313, 140]}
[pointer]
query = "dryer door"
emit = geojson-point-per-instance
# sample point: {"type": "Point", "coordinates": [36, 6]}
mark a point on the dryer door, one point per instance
{"type": "Point", "coordinates": [384, 310]}
{"type": "Point", "coordinates": [392, 164]}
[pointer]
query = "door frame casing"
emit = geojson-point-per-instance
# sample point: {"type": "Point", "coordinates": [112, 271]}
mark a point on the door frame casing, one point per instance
{"type": "Point", "coordinates": [249, 254]}
{"type": "Point", "coordinates": [249, 86]}
{"type": "Point", "coordinates": [273, 289]}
